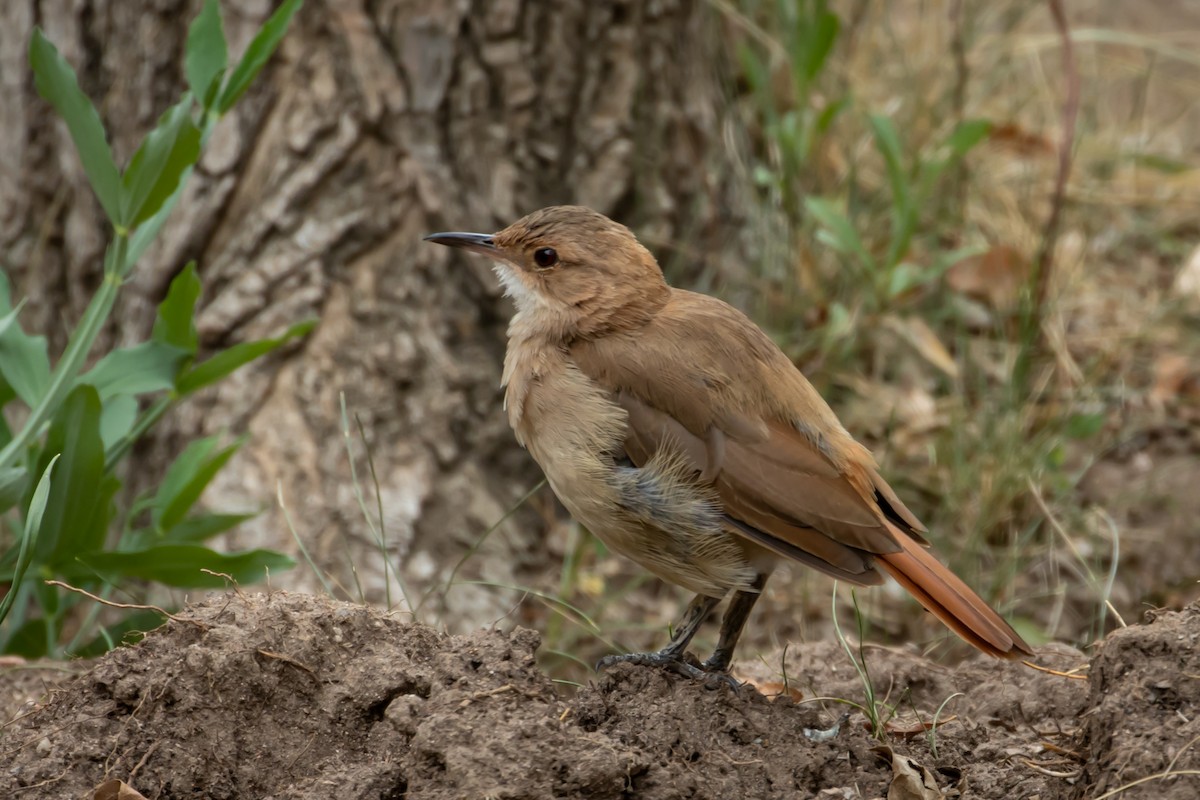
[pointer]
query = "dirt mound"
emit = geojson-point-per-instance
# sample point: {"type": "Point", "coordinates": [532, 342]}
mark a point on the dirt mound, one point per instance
{"type": "Point", "coordinates": [286, 696]}
{"type": "Point", "coordinates": [1144, 710]}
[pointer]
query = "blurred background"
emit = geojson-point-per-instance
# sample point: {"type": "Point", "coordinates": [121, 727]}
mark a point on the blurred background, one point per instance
{"type": "Point", "coordinates": [973, 225]}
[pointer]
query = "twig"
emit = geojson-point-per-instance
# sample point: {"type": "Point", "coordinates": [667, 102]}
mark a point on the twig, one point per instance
{"type": "Point", "coordinates": [1072, 674]}
{"type": "Point", "coordinates": [1182, 750]}
{"type": "Point", "coordinates": [1156, 776]}
{"type": "Point", "coordinates": [288, 660]}
{"type": "Point", "coordinates": [43, 784]}
{"type": "Point", "coordinates": [508, 687]}
{"type": "Point", "coordinates": [1075, 773]}
{"type": "Point", "coordinates": [142, 762]}
{"type": "Point", "coordinates": [958, 97]}
{"type": "Point", "coordinates": [133, 606]}
{"type": "Point", "coordinates": [1070, 112]}
{"type": "Point", "coordinates": [1062, 751]}
{"type": "Point", "coordinates": [228, 579]}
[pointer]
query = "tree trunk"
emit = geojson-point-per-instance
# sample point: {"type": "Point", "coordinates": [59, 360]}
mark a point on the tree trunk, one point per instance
{"type": "Point", "coordinates": [377, 122]}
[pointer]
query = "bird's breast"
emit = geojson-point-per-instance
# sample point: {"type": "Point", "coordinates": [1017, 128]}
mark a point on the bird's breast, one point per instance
{"type": "Point", "coordinates": [574, 431]}
{"type": "Point", "coordinates": [657, 514]}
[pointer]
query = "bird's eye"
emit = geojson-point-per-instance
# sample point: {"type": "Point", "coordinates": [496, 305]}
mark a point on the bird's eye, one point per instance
{"type": "Point", "coordinates": [545, 257]}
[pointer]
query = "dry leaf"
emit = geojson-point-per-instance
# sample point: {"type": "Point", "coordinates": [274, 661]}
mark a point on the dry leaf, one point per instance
{"type": "Point", "coordinates": [921, 337]}
{"type": "Point", "coordinates": [116, 790]}
{"type": "Point", "coordinates": [910, 780]}
{"type": "Point", "coordinates": [994, 277]}
{"type": "Point", "coordinates": [1187, 281]}
{"type": "Point", "coordinates": [908, 728]}
{"type": "Point", "coordinates": [1175, 376]}
{"type": "Point", "coordinates": [772, 689]}
{"type": "Point", "coordinates": [905, 414]}
{"type": "Point", "coordinates": [1015, 138]}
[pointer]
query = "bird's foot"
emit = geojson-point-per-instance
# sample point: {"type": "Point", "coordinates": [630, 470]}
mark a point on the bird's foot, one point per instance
{"type": "Point", "coordinates": [676, 662]}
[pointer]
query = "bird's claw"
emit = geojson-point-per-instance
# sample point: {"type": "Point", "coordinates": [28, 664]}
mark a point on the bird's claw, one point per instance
{"type": "Point", "coordinates": [673, 662]}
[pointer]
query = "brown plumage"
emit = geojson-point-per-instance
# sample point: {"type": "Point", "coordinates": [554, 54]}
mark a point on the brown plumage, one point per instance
{"type": "Point", "coordinates": [676, 431]}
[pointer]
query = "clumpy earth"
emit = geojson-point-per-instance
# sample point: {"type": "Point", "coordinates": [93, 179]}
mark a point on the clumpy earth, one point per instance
{"type": "Point", "coordinates": [295, 696]}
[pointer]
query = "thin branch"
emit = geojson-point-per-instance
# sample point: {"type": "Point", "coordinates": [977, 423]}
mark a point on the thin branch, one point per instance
{"type": "Point", "coordinates": [133, 606]}
{"type": "Point", "coordinates": [1044, 265]}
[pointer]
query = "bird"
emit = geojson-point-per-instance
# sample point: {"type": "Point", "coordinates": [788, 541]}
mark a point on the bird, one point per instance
{"type": "Point", "coordinates": [677, 432]}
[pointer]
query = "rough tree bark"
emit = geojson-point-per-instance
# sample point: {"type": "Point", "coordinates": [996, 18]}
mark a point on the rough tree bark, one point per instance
{"type": "Point", "coordinates": [379, 120]}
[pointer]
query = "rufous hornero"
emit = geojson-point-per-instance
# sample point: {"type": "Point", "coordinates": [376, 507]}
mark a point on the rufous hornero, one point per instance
{"type": "Point", "coordinates": [677, 432]}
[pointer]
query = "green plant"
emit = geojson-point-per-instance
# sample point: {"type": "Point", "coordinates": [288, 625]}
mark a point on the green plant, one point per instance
{"type": "Point", "coordinates": [884, 265]}
{"type": "Point", "coordinates": [60, 471]}
{"type": "Point", "coordinates": [877, 207]}
{"type": "Point", "coordinates": [937, 715]}
{"type": "Point", "coordinates": [794, 120]}
{"type": "Point", "coordinates": [873, 707]}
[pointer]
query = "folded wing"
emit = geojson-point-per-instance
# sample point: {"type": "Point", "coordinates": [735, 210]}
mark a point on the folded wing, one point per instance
{"type": "Point", "coordinates": [702, 379]}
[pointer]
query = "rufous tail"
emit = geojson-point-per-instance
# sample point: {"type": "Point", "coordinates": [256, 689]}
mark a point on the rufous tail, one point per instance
{"type": "Point", "coordinates": [951, 600]}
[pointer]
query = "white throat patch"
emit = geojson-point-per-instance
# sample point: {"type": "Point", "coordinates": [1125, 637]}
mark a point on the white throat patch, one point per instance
{"type": "Point", "coordinates": [523, 297]}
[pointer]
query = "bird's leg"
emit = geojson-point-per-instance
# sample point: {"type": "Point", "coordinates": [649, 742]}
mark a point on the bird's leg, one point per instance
{"type": "Point", "coordinates": [731, 626]}
{"type": "Point", "coordinates": [671, 656]}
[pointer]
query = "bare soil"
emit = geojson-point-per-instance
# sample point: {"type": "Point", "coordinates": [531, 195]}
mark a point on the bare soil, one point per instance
{"type": "Point", "coordinates": [288, 696]}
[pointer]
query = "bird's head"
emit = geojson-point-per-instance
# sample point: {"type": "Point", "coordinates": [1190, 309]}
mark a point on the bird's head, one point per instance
{"type": "Point", "coordinates": [571, 270]}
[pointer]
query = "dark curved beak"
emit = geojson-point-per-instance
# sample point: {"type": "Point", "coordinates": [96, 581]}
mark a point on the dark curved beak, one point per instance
{"type": "Point", "coordinates": [481, 243]}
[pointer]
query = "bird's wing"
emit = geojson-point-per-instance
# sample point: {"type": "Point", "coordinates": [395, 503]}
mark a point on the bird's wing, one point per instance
{"type": "Point", "coordinates": [703, 379]}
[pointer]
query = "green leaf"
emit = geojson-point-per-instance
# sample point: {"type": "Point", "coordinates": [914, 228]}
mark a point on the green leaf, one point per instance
{"type": "Point", "coordinates": [1056, 456]}
{"type": "Point", "coordinates": [5, 293]}
{"type": "Point", "coordinates": [33, 526]}
{"type": "Point", "coordinates": [1160, 163]}
{"type": "Point", "coordinates": [24, 362]}
{"type": "Point", "coordinates": [838, 232]}
{"type": "Point", "coordinates": [56, 82]}
{"type": "Point", "coordinates": [12, 486]}
{"type": "Point", "coordinates": [841, 321]}
{"type": "Point", "coordinates": [29, 640]}
{"type": "Point", "coordinates": [225, 362]}
{"type": "Point", "coordinates": [183, 469]}
{"type": "Point", "coordinates": [967, 135]}
{"type": "Point", "coordinates": [830, 113]}
{"type": "Point", "coordinates": [1085, 426]}
{"type": "Point", "coordinates": [822, 37]}
{"type": "Point", "coordinates": [7, 395]}
{"type": "Point", "coordinates": [904, 277]}
{"type": "Point", "coordinates": [180, 565]}
{"type": "Point", "coordinates": [205, 56]}
{"type": "Point", "coordinates": [158, 166]}
{"type": "Point", "coordinates": [257, 54]}
{"type": "Point", "coordinates": [95, 529]}
{"type": "Point", "coordinates": [76, 490]}
{"type": "Point", "coordinates": [147, 367]}
{"type": "Point", "coordinates": [176, 324]}
{"type": "Point", "coordinates": [117, 418]}
{"type": "Point", "coordinates": [904, 211]}
{"type": "Point", "coordinates": [148, 230]}
{"type": "Point", "coordinates": [204, 526]}
{"type": "Point", "coordinates": [887, 141]}
{"type": "Point", "coordinates": [10, 318]}
{"type": "Point", "coordinates": [72, 358]}
{"type": "Point", "coordinates": [754, 69]}
{"type": "Point", "coordinates": [186, 480]}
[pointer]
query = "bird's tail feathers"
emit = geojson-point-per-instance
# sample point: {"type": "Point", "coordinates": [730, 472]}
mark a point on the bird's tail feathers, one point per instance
{"type": "Point", "coordinates": [944, 595]}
